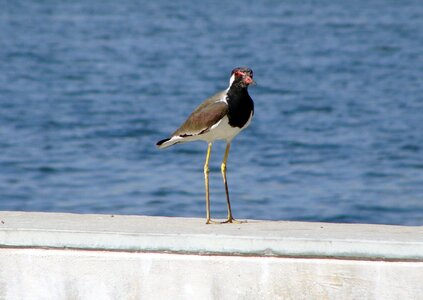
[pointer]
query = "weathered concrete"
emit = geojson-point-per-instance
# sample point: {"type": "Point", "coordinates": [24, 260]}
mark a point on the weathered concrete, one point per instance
{"type": "Point", "coordinates": [69, 256]}
{"type": "Point", "coordinates": [68, 274]}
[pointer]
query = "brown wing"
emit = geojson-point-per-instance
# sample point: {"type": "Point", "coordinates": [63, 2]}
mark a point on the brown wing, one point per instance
{"type": "Point", "coordinates": [204, 117]}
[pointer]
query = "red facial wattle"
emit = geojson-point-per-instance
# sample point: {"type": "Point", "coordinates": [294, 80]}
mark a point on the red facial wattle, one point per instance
{"type": "Point", "coordinates": [239, 73]}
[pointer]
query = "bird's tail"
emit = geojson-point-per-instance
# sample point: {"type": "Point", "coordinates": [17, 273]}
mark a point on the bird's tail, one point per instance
{"type": "Point", "coordinates": [168, 142]}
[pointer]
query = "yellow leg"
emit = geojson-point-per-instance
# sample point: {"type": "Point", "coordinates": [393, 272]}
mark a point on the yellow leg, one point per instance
{"type": "Point", "coordinates": [230, 218]}
{"type": "Point", "coordinates": [206, 178]}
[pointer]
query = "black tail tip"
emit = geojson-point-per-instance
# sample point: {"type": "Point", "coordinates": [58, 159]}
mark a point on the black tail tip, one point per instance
{"type": "Point", "coordinates": [159, 143]}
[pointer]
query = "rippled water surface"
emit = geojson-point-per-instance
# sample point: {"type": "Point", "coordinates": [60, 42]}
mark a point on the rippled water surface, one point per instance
{"type": "Point", "coordinates": [88, 87]}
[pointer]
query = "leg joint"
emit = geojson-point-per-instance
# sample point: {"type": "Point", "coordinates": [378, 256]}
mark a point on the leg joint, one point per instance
{"type": "Point", "coordinates": [223, 167]}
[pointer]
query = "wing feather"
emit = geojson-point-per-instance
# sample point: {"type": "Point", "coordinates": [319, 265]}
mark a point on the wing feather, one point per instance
{"type": "Point", "coordinates": [205, 116]}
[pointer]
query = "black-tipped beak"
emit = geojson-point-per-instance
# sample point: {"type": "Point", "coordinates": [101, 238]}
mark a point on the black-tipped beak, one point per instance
{"type": "Point", "coordinates": [248, 80]}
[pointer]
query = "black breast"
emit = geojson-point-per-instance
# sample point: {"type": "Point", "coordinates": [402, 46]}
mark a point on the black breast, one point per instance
{"type": "Point", "coordinates": [240, 106]}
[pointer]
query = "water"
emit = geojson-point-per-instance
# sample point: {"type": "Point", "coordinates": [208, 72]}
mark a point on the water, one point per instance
{"type": "Point", "coordinates": [88, 87]}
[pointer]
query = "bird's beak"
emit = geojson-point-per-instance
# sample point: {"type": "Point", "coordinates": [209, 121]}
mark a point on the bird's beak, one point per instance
{"type": "Point", "coordinates": [248, 80]}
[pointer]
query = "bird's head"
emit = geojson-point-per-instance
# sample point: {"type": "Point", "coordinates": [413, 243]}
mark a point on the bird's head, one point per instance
{"type": "Point", "coordinates": [242, 76]}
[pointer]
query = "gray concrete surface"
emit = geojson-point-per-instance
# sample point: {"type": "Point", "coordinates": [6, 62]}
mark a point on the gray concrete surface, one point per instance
{"type": "Point", "coordinates": [69, 256]}
{"type": "Point", "coordinates": [40, 274]}
{"type": "Point", "coordinates": [190, 235]}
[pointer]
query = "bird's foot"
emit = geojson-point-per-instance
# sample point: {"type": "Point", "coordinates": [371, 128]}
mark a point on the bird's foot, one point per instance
{"type": "Point", "coordinates": [229, 220]}
{"type": "Point", "coordinates": [209, 221]}
{"type": "Point", "coordinates": [232, 220]}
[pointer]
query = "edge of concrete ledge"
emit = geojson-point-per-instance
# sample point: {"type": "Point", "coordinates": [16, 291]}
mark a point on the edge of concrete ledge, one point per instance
{"type": "Point", "coordinates": [192, 236]}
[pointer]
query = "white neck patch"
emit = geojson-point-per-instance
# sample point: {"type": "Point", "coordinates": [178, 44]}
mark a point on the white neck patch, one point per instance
{"type": "Point", "coordinates": [231, 80]}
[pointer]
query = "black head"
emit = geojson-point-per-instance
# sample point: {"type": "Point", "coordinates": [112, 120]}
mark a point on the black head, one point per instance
{"type": "Point", "coordinates": [242, 76]}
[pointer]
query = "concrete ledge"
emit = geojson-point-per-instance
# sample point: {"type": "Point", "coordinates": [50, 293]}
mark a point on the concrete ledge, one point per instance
{"type": "Point", "coordinates": [68, 256]}
{"type": "Point", "coordinates": [192, 236]}
{"type": "Point", "coordinates": [79, 274]}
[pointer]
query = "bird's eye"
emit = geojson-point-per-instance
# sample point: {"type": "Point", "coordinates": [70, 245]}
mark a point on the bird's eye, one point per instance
{"type": "Point", "coordinates": [238, 73]}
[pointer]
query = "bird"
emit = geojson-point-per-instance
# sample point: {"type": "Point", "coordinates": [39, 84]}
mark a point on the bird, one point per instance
{"type": "Point", "coordinates": [220, 117]}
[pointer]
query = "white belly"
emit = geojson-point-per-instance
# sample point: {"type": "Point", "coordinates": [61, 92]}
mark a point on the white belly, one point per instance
{"type": "Point", "coordinates": [222, 131]}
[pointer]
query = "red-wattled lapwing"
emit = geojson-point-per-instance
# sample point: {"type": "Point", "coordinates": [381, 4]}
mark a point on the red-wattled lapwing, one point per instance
{"type": "Point", "coordinates": [221, 117]}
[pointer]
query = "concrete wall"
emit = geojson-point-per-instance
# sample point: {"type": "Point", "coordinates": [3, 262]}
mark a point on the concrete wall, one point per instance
{"type": "Point", "coordinates": [65, 256]}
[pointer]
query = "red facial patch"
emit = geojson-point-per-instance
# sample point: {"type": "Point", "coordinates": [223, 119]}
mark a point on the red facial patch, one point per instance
{"type": "Point", "coordinates": [239, 73]}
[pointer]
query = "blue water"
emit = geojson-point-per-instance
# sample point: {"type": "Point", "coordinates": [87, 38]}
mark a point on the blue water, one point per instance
{"type": "Point", "coordinates": [88, 87]}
